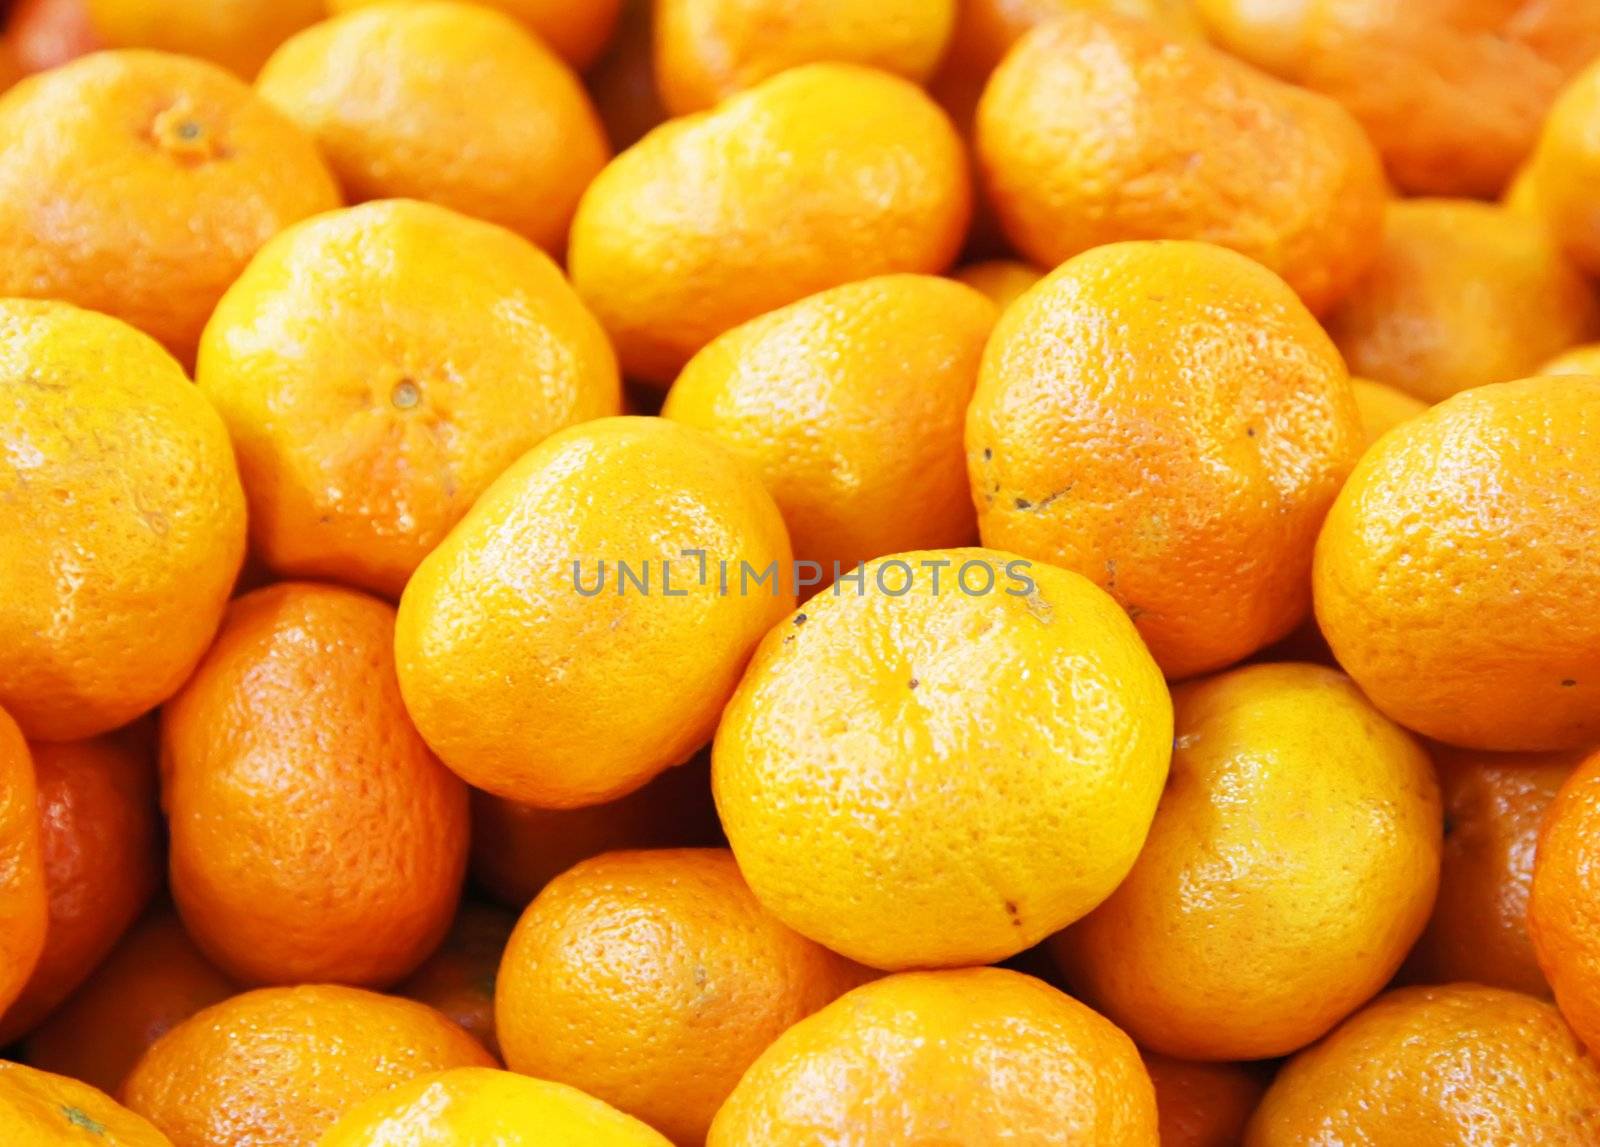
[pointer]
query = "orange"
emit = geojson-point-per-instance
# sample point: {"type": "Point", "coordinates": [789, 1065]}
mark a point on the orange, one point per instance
{"type": "Point", "coordinates": [979, 1055]}
{"type": "Point", "coordinates": [451, 103]}
{"type": "Point", "coordinates": [193, 173]}
{"type": "Point", "coordinates": [1100, 128]}
{"type": "Point", "coordinates": [478, 1105]}
{"type": "Point", "coordinates": [1168, 420]}
{"type": "Point", "coordinates": [1383, 407]}
{"type": "Point", "coordinates": [706, 50]}
{"type": "Point", "coordinates": [1578, 360]}
{"type": "Point", "coordinates": [314, 836]}
{"type": "Point", "coordinates": [238, 34]}
{"type": "Point", "coordinates": [279, 1065]}
{"type": "Point", "coordinates": [1565, 166]}
{"type": "Point", "coordinates": [459, 978]}
{"type": "Point", "coordinates": [123, 518]}
{"type": "Point", "coordinates": [517, 849]}
{"type": "Point", "coordinates": [920, 772]}
{"type": "Point", "coordinates": [1449, 1067]}
{"type": "Point", "coordinates": [652, 980]}
{"type": "Point", "coordinates": [1248, 928]}
{"type": "Point", "coordinates": [100, 838]}
{"type": "Point", "coordinates": [1562, 913]}
{"type": "Point", "coordinates": [1002, 281]}
{"type": "Point", "coordinates": [1455, 576]}
{"type": "Point", "coordinates": [1462, 294]}
{"type": "Point", "coordinates": [623, 82]}
{"type": "Point", "coordinates": [716, 218]}
{"type": "Point", "coordinates": [24, 897]}
{"type": "Point", "coordinates": [43, 1110]}
{"type": "Point", "coordinates": [48, 33]}
{"type": "Point", "coordinates": [1203, 1104]}
{"type": "Point", "coordinates": [850, 404]}
{"type": "Point", "coordinates": [378, 367]}
{"type": "Point", "coordinates": [154, 979]}
{"type": "Point", "coordinates": [579, 31]}
{"type": "Point", "coordinates": [1451, 91]}
{"type": "Point", "coordinates": [538, 667]}
{"type": "Point", "coordinates": [1494, 804]}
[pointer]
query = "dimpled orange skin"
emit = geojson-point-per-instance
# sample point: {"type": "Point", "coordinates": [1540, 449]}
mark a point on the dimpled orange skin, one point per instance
{"type": "Point", "coordinates": [1579, 360]}
{"type": "Point", "coordinates": [475, 1105]}
{"type": "Point", "coordinates": [976, 1055]}
{"type": "Point", "coordinates": [1001, 281]}
{"type": "Point", "coordinates": [1383, 407]}
{"type": "Point", "coordinates": [1564, 169]}
{"type": "Point", "coordinates": [1462, 294]}
{"type": "Point", "coordinates": [191, 174]}
{"type": "Point", "coordinates": [578, 31]}
{"type": "Point", "coordinates": [1449, 1067]}
{"type": "Point", "coordinates": [652, 980]}
{"type": "Point", "coordinates": [715, 218]}
{"type": "Point", "coordinates": [1168, 420]}
{"type": "Point", "coordinates": [123, 518]}
{"type": "Point", "coordinates": [39, 1109]}
{"type": "Point", "coordinates": [1247, 928]}
{"type": "Point", "coordinates": [314, 836]}
{"type": "Point", "coordinates": [459, 978]}
{"type": "Point", "coordinates": [24, 899]}
{"type": "Point", "coordinates": [1455, 577]}
{"type": "Point", "coordinates": [1203, 1104]}
{"type": "Point", "coordinates": [537, 681]}
{"type": "Point", "coordinates": [276, 1066]}
{"type": "Point", "coordinates": [378, 367]}
{"type": "Point", "coordinates": [238, 34]}
{"type": "Point", "coordinates": [943, 778]}
{"type": "Point", "coordinates": [1562, 914]}
{"type": "Point", "coordinates": [706, 50]}
{"type": "Point", "coordinates": [1494, 805]}
{"type": "Point", "coordinates": [100, 838]}
{"type": "Point", "coordinates": [155, 979]}
{"type": "Point", "coordinates": [851, 404]}
{"type": "Point", "coordinates": [1452, 92]}
{"type": "Point", "coordinates": [450, 103]}
{"type": "Point", "coordinates": [1100, 128]}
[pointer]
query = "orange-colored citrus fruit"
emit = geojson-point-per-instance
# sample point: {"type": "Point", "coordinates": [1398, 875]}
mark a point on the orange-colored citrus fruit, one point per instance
{"type": "Point", "coordinates": [314, 836]}
{"type": "Point", "coordinates": [39, 1109]}
{"type": "Point", "coordinates": [1248, 926]}
{"type": "Point", "coordinates": [716, 218]}
{"type": "Point", "coordinates": [238, 34]}
{"type": "Point", "coordinates": [459, 978]}
{"type": "Point", "coordinates": [1562, 912]}
{"type": "Point", "coordinates": [920, 776]}
{"type": "Point", "coordinates": [378, 367]}
{"type": "Point", "coordinates": [1565, 167]}
{"type": "Point", "coordinates": [1448, 1067]}
{"type": "Point", "coordinates": [851, 405]}
{"type": "Point", "coordinates": [979, 1055]}
{"type": "Point", "coordinates": [538, 667]}
{"type": "Point", "coordinates": [1184, 143]}
{"type": "Point", "coordinates": [123, 518]}
{"type": "Point", "coordinates": [279, 1065]}
{"type": "Point", "coordinates": [1578, 360]}
{"type": "Point", "coordinates": [1169, 421]}
{"type": "Point", "coordinates": [24, 899]}
{"type": "Point", "coordinates": [192, 174]}
{"type": "Point", "coordinates": [477, 1105]}
{"type": "Point", "coordinates": [1203, 1104]}
{"type": "Point", "coordinates": [1002, 281]}
{"type": "Point", "coordinates": [1455, 579]}
{"type": "Point", "coordinates": [1383, 407]}
{"type": "Point", "coordinates": [450, 103]}
{"type": "Point", "coordinates": [577, 29]}
{"type": "Point", "coordinates": [1462, 294]}
{"type": "Point", "coordinates": [48, 33]}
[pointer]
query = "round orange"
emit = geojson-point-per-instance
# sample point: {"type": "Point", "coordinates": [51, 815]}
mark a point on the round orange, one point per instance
{"type": "Point", "coordinates": [1203, 1104]}
{"type": "Point", "coordinates": [39, 1109]}
{"type": "Point", "coordinates": [1578, 360]}
{"type": "Point", "coordinates": [1563, 917]}
{"type": "Point", "coordinates": [1565, 166]}
{"type": "Point", "coordinates": [238, 34]}
{"type": "Point", "coordinates": [459, 978]}
{"type": "Point", "coordinates": [24, 899]}
{"type": "Point", "coordinates": [578, 29]}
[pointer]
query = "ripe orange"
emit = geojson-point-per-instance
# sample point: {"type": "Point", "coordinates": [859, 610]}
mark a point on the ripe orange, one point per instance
{"type": "Point", "coordinates": [1247, 927]}
{"type": "Point", "coordinates": [1002, 281]}
{"type": "Point", "coordinates": [1099, 128]}
{"type": "Point", "coordinates": [24, 899]}
{"type": "Point", "coordinates": [851, 404]}
{"type": "Point", "coordinates": [43, 1110]}
{"type": "Point", "coordinates": [706, 50]}
{"type": "Point", "coordinates": [1455, 579]}
{"type": "Point", "coordinates": [378, 367]}
{"type": "Point", "coordinates": [535, 669]}
{"type": "Point", "coordinates": [1461, 294]}
{"type": "Point", "coordinates": [100, 839]}
{"type": "Point", "coordinates": [459, 978]}
{"type": "Point", "coordinates": [477, 1105]}
{"type": "Point", "coordinates": [1563, 915]}
{"type": "Point", "coordinates": [153, 981]}
{"type": "Point", "coordinates": [1383, 407]}
{"type": "Point", "coordinates": [238, 34]}
{"type": "Point", "coordinates": [193, 173]}
{"type": "Point", "coordinates": [1578, 360]}
{"type": "Point", "coordinates": [279, 1065]}
{"type": "Point", "coordinates": [314, 836]}
{"type": "Point", "coordinates": [1458, 1065]}
{"type": "Point", "coordinates": [1168, 420]}
{"type": "Point", "coordinates": [1203, 1104]}
{"type": "Point", "coordinates": [919, 776]}
{"type": "Point", "coordinates": [450, 103]}
{"type": "Point", "coordinates": [980, 1055]}
{"type": "Point", "coordinates": [578, 31]}
{"type": "Point", "coordinates": [1494, 804]}
{"type": "Point", "coordinates": [719, 217]}
{"type": "Point", "coordinates": [1565, 166]}
{"type": "Point", "coordinates": [622, 83]}
{"type": "Point", "coordinates": [123, 519]}
{"type": "Point", "coordinates": [652, 980]}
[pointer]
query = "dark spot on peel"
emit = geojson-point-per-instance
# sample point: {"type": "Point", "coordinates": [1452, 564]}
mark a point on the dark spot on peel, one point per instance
{"type": "Point", "coordinates": [1568, 682]}
{"type": "Point", "coordinates": [799, 619]}
{"type": "Point", "coordinates": [1024, 504]}
{"type": "Point", "coordinates": [914, 683]}
{"type": "Point", "coordinates": [1014, 912]}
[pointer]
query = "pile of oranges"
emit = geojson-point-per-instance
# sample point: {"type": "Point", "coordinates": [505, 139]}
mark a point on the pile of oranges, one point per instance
{"type": "Point", "coordinates": [799, 573]}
